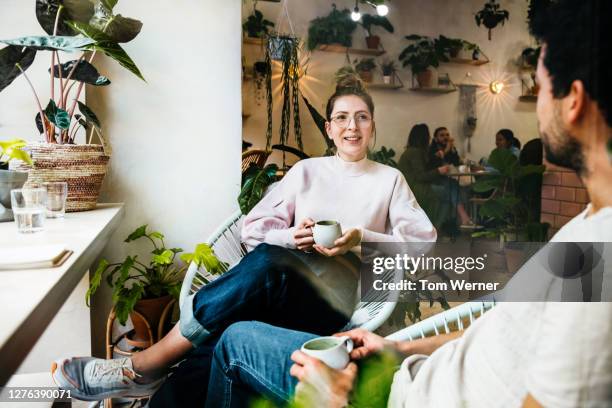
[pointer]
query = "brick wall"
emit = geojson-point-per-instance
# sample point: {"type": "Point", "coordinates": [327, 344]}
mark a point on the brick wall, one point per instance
{"type": "Point", "coordinates": [563, 197]}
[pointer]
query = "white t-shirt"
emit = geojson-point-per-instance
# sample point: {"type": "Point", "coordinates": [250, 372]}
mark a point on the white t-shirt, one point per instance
{"type": "Point", "coordinates": [560, 353]}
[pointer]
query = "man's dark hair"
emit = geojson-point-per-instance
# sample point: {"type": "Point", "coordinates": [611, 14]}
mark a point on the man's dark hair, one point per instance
{"type": "Point", "coordinates": [419, 136]}
{"type": "Point", "coordinates": [441, 128]}
{"type": "Point", "coordinates": [577, 47]}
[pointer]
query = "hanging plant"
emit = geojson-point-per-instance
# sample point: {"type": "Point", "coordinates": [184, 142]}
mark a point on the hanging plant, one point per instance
{"type": "Point", "coordinates": [490, 16]}
{"type": "Point", "coordinates": [256, 25]}
{"type": "Point", "coordinates": [260, 70]}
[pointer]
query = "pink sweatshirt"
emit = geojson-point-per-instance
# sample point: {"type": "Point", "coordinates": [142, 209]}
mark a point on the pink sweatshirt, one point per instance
{"type": "Point", "coordinates": [366, 195]}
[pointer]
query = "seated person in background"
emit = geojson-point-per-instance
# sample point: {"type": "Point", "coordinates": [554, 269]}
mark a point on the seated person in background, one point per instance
{"type": "Point", "coordinates": [442, 149]}
{"type": "Point", "coordinates": [504, 139]}
{"type": "Point", "coordinates": [430, 186]}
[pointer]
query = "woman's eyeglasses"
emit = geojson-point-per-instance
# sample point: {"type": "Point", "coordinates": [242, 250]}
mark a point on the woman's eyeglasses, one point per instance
{"type": "Point", "coordinates": [343, 120]}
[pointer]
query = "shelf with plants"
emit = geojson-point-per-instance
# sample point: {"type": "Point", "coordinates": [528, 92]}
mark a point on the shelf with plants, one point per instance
{"type": "Point", "coordinates": [341, 49]}
{"type": "Point", "coordinates": [528, 98]}
{"type": "Point", "coordinates": [433, 89]}
{"type": "Point", "coordinates": [382, 85]}
{"type": "Point", "coordinates": [467, 61]}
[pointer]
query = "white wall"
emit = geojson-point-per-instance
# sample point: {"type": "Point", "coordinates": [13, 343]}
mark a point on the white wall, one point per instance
{"type": "Point", "coordinates": [176, 138]}
{"type": "Point", "coordinates": [397, 111]}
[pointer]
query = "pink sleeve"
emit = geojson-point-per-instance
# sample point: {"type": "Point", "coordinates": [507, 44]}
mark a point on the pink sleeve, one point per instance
{"type": "Point", "coordinates": [408, 221]}
{"type": "Point", "coordinates": [271, 220]}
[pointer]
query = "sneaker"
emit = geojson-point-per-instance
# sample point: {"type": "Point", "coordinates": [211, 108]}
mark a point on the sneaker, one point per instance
{"type": "Point", "coordinates": [470, 225]}
{"type": "Point", "coordinates": [94, 379]}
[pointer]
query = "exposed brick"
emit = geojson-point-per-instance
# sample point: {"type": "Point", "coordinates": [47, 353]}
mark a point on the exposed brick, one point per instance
{"type": "Point", "coordinates": [570, 180]}
{"type": "Point", "coordinates": [549, 218]}
{"type": "Point", "coordinates": [553, 167]}
{"type": "Point", "coordinates": [582, 196]}
{"type": "Point", "coordinates": [561, 220]}
{"type": "Point", "coordinates": [548, 192]}
{"type": "Point", "coordinates": [550, 206]}
{"type": "Point", "coordinates": [565, 193]}
{"type": "Point", "coordinates": [571, 209]}
{"type": "Point", "coordinates": [552, 179]}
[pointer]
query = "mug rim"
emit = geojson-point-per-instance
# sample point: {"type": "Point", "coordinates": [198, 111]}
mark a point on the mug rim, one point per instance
{"type": "Point", "coordinates": [327, 223]}
{"type": "Point", "coordinates": [343, 340]}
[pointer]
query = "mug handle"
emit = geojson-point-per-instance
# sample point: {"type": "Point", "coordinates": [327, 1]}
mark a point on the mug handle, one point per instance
{"type": "Point", "coordinates": [348, 343]}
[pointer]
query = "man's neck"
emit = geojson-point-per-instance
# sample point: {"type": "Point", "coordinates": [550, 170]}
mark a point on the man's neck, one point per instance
{"type": "Point", "coordinates": [597, 178]}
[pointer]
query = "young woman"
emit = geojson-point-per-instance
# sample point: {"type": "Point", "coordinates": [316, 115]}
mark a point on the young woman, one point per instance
{"type": "Point", "coordinates": [286, 280]}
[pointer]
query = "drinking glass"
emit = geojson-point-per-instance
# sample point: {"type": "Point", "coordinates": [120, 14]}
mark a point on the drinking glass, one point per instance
{"type": "Point", "coordinates": [57, 192]}
{"type": "Point", "coordinates": [29, 206]}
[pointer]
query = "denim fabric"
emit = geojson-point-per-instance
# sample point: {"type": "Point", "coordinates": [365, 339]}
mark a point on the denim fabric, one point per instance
{"type": "Point", "coordinates": [283, 287]}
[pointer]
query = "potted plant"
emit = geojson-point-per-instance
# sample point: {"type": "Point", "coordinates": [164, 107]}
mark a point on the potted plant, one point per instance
{"type": "Point", "coordinates": [490, 16]}
{"type": "Point", "coordinates": [87, 27]}
{"type": "Point", "coordinates": [335, 28]}
{"type": "Point", "coordinates": [453, 47]}
{"type": "Point", "coordinates": [422, 54]}
{"type": "Point", "coordinates": [388, 70]}
{"type": "Point", "coordinates": [528, 63]}
{"type": "Point", "coordinates": [383, 156]}
{"type": "Point", "coordinates": [148, 288]}
{"type": "Point", "coordinates": [255, 181]}
{"type": "Point", "coordinates": [256, 26]}
{"type": "Point", "coordinates": [10, 179]}
{"type": "Point", "coordinates": [365, 67]}
{"type": "Point", "coordinates": [367, 21]}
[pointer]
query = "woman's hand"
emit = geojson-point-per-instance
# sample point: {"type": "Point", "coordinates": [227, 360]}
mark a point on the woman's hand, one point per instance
{"type": "Point", "coordinates": [302, 237]}
{"type": "Point", "coordinates": [342, 245]}
{"type": "Point", "coordinates": [320, 385]}
{"type": "Point", "coordinates": [443, 169]}
{"type": "Point", "coordinates": [366, 343]}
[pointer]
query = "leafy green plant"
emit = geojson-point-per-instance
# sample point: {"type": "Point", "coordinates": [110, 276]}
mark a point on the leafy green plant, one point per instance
{"type": "Point", "coordinates": [254, 184]}
{"type": "Point", "coordinates": [491, 15]}
{"type": "Point", "coordinates": [507, 212]}
{"type": "Point", "coordinates": [388, 67]}
{"type": "Point", "coordinates": [368, 21]}
{"type": "Point", "coordinates": [365, 64]}
{"type": "Point", "coordinates": [529, 57]}
{"type": "Point", "coordinates": [12, 150]}
{"type": "Point", "coordinates": [132, 280]}
{"type": "Point", "coordinates": [256, 25]}
{"type": "Point", "coordinates": [383, 156]}
{"type": "Point", "coordinates": [85, 26]}
{"type": "Point", "coordinates": [423, 53]}
{"type": "Point", "coordinates": [335, 28]}
{"type": "Point", "coordinates": [451, 46]}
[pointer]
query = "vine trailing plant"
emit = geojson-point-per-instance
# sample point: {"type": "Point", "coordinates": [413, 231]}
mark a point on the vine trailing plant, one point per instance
{"type": "Point", "coordinates": [86, 26]}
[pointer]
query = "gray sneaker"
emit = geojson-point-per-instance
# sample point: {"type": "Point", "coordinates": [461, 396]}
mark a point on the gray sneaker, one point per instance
{"type": "Point", "coordinates": [94, 379]}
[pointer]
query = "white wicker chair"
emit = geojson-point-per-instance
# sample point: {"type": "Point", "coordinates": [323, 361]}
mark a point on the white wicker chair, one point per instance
{"type": "Point", "coordinates": [450, 320]}
{"type": "Point", "coordinates": [374, 309]}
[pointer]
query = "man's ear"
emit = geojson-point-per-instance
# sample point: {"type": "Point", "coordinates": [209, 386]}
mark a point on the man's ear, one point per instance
{"type": "Point", "coordinates": [574, 104]}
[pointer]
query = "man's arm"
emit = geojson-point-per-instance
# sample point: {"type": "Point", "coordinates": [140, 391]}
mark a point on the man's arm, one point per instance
{"type": "Point", "coordinates": [427, 345]}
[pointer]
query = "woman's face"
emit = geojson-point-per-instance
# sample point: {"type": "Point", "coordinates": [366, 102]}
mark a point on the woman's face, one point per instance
{"type": "Point", "coordinates": [351, 127]}
{"type": "Point", "coordinates": [500, 142]}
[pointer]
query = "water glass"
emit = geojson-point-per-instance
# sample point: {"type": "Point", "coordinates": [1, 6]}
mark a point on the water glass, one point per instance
{"type": "Point", "coordinates": [29, 206]}
{"type": "Point", "coordinates": [56, 198]}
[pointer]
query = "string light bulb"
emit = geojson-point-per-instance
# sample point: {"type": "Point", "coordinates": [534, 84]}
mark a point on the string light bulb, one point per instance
{"type": "Point", "coordinates": [382, 10]}
{"type": "Point", "coordinates": [356, 15]}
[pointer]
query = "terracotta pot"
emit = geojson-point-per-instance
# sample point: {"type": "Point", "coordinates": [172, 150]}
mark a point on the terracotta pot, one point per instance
{"type": "Point", "coordinates": [373, 42]}
{"type": "Point", "coordinates": [425, 78]}
{"type": "Point", "coordinates": [151, 310]}
{"type": "Point", "coordinates": [367, 76]}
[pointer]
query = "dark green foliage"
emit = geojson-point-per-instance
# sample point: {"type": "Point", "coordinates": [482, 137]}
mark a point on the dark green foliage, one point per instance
{"type": "Point", "coordinates": [491, 15]}
{"type": "Point", "coordinates": [388, 67]}
{"type": "Point", "coordinates": [450, 45]}
{"type": "Point", "coordinates": [254, 184]}
{"type": "Point", "coordinates": [383, 156]}
{"type": "Point", "coordinates": [132, 280]}
{"type": "Point", "coordinates": [84, 72]}
{"type": "Point", "coordinates": [423, 53]}
{"type": "Point", "coordinates": [368, 20]}
{"type": "Point", "coordinates": [320, 122]}
{"type": "Point", "coordinates": [12, 58]}
{"type": "Point", "coordinates": [335, 28]}
{"type": "Point", "coordinates": [365, 64]}
{"type": "Point", "coordinates": [57, 116]}
{"type": "Point", "coordinates": [72, 10]}
{"type": "Point", "coordinates": [257, 26]}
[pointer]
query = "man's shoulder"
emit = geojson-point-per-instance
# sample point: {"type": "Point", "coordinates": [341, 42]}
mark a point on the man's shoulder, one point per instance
{"type": "Point", "coordinates": [587, 228]}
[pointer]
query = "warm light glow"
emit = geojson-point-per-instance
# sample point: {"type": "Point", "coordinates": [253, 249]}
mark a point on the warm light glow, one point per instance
{"type": "Point", "coordinates": [356, 15]}
{"type": "Point", "coordinates": [382, 10]}
{"type": "Point", "coordinates": [496, 87]}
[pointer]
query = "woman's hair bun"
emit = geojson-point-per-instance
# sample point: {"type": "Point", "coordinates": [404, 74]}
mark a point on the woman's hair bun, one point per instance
{"type": "Point", "coordinates": [349, 80]}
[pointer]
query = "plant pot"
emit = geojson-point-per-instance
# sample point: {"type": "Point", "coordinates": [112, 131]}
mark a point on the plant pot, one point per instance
{"type": "Point", "coordinates": [425, 78]}
{"type": "Point", "coordinates": [148, 318]}
{"type": "Point", "coordinates": [9, 180]}
{"type": "Point", "coordinates": [83, 167]}
{"type": "Point", "coordinates": [373, 42]}
{"type": "Point", "coordinates": [454, 52]}
{"type": "Point", "coordinates": [367, 76]}
{"type": "Point", "coordinates": [388, 79]}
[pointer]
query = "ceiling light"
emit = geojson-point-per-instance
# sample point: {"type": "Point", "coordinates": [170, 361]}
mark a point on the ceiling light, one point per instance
{"type": "Point", "coordinates": [356, 15]}
{"type": "Point", "coordinates": [496, 87]}
{"type": "Point", "coordinates": [382, 10]}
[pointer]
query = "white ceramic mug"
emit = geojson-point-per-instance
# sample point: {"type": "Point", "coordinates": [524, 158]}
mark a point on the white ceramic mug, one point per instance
{"type": "Point", "coordinates": [333, 351]}
{"type": "Point", "coordinates": [325, 233]}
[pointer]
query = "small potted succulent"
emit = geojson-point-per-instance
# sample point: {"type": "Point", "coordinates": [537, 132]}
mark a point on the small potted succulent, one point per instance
{"type": "Point", "coordinates": [424, 53]}
{"type": "Point", "coordinates": [11, 179]}
{"type": "Point", "coordinates": [490, 16]}
{"type": "Point", "coordinates": [367, 21]}
{"type": "Point", "coordinates": [256, 26]}
{"type": "Point", "coordinates": [388, 70]}
{"type": "Point", "coordinates": [365, 67]}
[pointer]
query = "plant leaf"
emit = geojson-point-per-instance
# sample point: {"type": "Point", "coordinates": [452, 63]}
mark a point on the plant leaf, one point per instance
{"type": "Point", "coordinates": [10, 57]}
{"type": "Point", "coordinates": [52, 43]}
{"type": "Point", "coordinates": [105, 44]}
{"type": "Point", "coordinates": [165, 258]}
{"type": "Point", "coordinates": [84, 72]}
{"type": "Point", "coordinates": [90, 116]}
{"type": "Point", "coordinates": [157, 235]}
{"type": "Point", "coordinates": [126, 300]}
{"type": "Point", "coordinates": [57, 116]}
{"type": "Point", "coordinates": [95, 280]}
{"type": "Point", "coordinates": [76, 10]}
{"type": "Point", "coordinates": [204, 256]}
{"type": "Point", "coordinates": [110, 4]}
{"type": "Point", "coordinates": [138, 233]}
{"type": "Point", "coordinates": [119, 29]}
{"type": "Point", "coordinates": [255, 186]}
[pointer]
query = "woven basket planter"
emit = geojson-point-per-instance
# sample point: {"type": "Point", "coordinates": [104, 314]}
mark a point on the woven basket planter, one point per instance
{"type": "Point", "coordinates": [82, 166]}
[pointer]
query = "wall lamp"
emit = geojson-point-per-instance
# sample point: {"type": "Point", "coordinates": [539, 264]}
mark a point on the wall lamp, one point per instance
{"type": "Point", "coordinates": [496, 87]}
